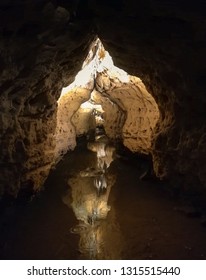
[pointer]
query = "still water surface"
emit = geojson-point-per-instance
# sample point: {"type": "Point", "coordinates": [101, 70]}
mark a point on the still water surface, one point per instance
{"type": "Point", "coordinates": [94, 206]}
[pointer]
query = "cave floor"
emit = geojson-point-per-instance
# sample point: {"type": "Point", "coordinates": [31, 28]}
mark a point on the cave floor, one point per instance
{"type": "Point", "coordinates": [135, 220]}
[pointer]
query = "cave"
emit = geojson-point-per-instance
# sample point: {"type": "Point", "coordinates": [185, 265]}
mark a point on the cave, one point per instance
{"type": "Point", "coordinates": [102, 129]}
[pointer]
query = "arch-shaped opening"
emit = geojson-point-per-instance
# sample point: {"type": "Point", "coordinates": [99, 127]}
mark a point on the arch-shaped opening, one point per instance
{"type": "Point", "coordinates": [164, 45]}
{"type": "Point", "coordinates": [128, 111]}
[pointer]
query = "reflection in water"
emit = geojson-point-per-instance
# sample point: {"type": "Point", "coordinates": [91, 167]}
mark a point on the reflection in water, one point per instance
{"type": "Point", "coordinates": [99, 233]}
{"type": "Point", "coordinates": [100, 182]}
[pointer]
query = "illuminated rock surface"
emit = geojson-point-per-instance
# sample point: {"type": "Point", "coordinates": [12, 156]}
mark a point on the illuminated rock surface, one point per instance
{"type": "Point", "coordinates": [43, 46]}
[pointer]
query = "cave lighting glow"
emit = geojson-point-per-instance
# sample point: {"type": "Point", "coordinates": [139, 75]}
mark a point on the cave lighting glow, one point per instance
{"type": "Point", "coordinates": [93, 108]}
{"type": "Point", "coordinates": [90, 105]}
{"type": "Point", "coordinates": [96, 63]}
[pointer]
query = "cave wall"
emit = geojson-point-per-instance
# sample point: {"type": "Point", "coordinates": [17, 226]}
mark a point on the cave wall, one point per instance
{"type": "Point", "coordinates": [163, 43]}
{"type": "Point", "coordinates": [83, 121]}
{"type": "Point", "coordinates": [43, 45]}
{"type": "Point", "coordinates": [39, 54]}
{"type": "Point", "coordinates": [140, 109]}
{"type": "Point", "coordinates": [68, 105]}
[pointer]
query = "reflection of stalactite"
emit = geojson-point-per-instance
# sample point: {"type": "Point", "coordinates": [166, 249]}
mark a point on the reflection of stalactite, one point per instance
{"type": "Point", "coordinates": [86, 202]}
{"type": "Point", "coordinates": [100, 183]}
{"type": "Point", "coordinates": [90, 191]}
{"type": "Point", "coordinates": [104, 152]}
{"type": "Point", "coordinates": [90, 209]}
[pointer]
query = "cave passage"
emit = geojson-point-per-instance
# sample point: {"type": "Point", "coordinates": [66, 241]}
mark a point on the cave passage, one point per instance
{"type": "Point", "coordinates": [99, 162]}
{"type": "Point", "coordinates": [121, 103]}
{"type": "Point", "coordinates": [95, 203]}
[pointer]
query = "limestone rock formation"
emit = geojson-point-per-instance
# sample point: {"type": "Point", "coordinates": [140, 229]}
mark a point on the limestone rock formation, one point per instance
{"type": "Point", "coordinates": [43, 45]}
{"type": "Point", "coordinates": [36, 62]}
{"type": "Point", "coordinates": [129, 112]}
{"type": "Point", "coordinates": [141, 110]}
{"type": "Point", "coordinates": [163, 43]}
